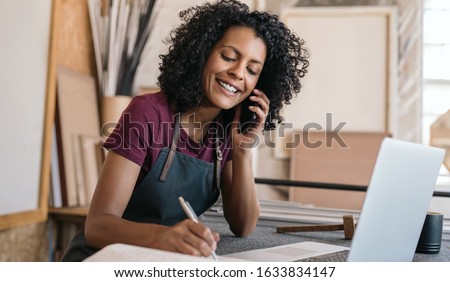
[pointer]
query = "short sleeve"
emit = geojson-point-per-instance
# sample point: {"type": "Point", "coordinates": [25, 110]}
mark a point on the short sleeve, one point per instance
{"type": "Point", "coordinates": [130, 137]}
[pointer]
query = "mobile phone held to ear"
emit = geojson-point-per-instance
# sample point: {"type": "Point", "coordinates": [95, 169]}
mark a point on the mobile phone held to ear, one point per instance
{"type": "Point", "coordinates": [248, 118]}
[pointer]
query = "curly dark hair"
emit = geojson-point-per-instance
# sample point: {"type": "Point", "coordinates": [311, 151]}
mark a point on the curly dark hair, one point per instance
{"type": "Point", "coordinates": [182, 68]}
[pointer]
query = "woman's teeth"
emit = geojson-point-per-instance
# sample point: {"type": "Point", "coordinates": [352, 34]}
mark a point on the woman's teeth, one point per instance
{"type": "Point", "coordinates": [228, 87]}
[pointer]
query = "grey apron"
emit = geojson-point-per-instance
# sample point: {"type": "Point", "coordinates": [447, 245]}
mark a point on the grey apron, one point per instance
{"type": "Point", "coordinates": [155, 199]}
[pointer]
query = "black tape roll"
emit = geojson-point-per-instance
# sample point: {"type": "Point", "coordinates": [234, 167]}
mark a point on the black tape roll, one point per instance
{"type": "Point", "coordinates": [431, 235]}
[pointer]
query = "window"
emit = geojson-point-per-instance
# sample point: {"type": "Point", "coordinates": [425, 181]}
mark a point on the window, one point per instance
{"type": "Point", "coordinates": [436, 67]}
{"type": "Point", "coordinates": [436, 62]}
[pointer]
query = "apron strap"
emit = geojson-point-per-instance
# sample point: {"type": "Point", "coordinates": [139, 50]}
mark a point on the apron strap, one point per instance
{"type": "Point", "coordinates": [173, 148]}
{"type": "Point", "coordinates": [217, 159]}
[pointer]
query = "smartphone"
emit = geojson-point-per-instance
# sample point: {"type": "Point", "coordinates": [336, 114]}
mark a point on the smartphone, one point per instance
{"type": "Point", "coordinates": [248, 118]}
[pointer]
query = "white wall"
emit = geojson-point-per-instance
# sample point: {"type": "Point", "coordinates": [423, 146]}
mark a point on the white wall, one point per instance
{"type": "Point", "coordinates": [24, 29]}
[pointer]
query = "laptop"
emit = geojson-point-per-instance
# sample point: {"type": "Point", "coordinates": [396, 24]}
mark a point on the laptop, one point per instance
{"type": "Point", "coordinates": [394, 209]}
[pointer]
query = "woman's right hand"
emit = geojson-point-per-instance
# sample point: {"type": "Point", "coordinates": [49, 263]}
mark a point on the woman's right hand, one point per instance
{"type": "Point", "coordinates": [187, 237]}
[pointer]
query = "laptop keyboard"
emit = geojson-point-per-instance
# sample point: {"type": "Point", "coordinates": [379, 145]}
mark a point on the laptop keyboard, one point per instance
{"type": "Point", "coordinates": [340, 256]}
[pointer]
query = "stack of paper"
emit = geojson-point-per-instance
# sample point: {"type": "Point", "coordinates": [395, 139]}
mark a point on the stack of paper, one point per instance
{"type": "Point", "coordinates": [130, 253]}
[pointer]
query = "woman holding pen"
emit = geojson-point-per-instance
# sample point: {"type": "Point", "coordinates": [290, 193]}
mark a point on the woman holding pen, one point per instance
{"type": "Point", "coordinates": [188, 140]}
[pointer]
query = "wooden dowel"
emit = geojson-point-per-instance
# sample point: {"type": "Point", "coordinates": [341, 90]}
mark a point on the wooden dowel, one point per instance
{"type": "Point", "coordinates": [348, 227]}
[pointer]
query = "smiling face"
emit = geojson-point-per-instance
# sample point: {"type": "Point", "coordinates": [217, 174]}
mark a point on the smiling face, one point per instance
{"type": "Point", "coordinates": [233, 67]}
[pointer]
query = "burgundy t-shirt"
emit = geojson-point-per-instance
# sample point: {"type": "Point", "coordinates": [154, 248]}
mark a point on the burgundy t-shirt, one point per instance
{"type": "Point", "coordinates": [147, 125]}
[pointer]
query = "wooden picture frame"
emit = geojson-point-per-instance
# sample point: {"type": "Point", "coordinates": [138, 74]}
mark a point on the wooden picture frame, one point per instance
{"type": "Point", "coordinates": [26, 181]}
{"type": "Point", "coordinates": [68, 43]}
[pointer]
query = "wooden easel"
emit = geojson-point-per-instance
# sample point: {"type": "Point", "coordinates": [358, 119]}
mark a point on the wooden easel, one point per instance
{"type": "Point", "coordinates": [348, 226]}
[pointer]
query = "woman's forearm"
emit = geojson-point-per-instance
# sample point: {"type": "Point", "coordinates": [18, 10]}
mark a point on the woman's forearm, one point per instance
{"type": "Point", "coordinates": [105, 229]}
{"type": "Point", "coordinates": [242, 206]}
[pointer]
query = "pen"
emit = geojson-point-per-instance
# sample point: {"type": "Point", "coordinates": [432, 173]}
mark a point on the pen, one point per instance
{"type": "Point", "coordinates": [191, 214]}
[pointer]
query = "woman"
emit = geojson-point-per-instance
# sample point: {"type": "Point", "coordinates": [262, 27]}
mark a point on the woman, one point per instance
{"type": "Point", "coordinates": [185, 141]}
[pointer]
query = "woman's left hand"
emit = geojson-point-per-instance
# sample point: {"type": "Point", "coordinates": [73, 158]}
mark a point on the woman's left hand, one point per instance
{"type": "Point", "coordinates": [261, 109]}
